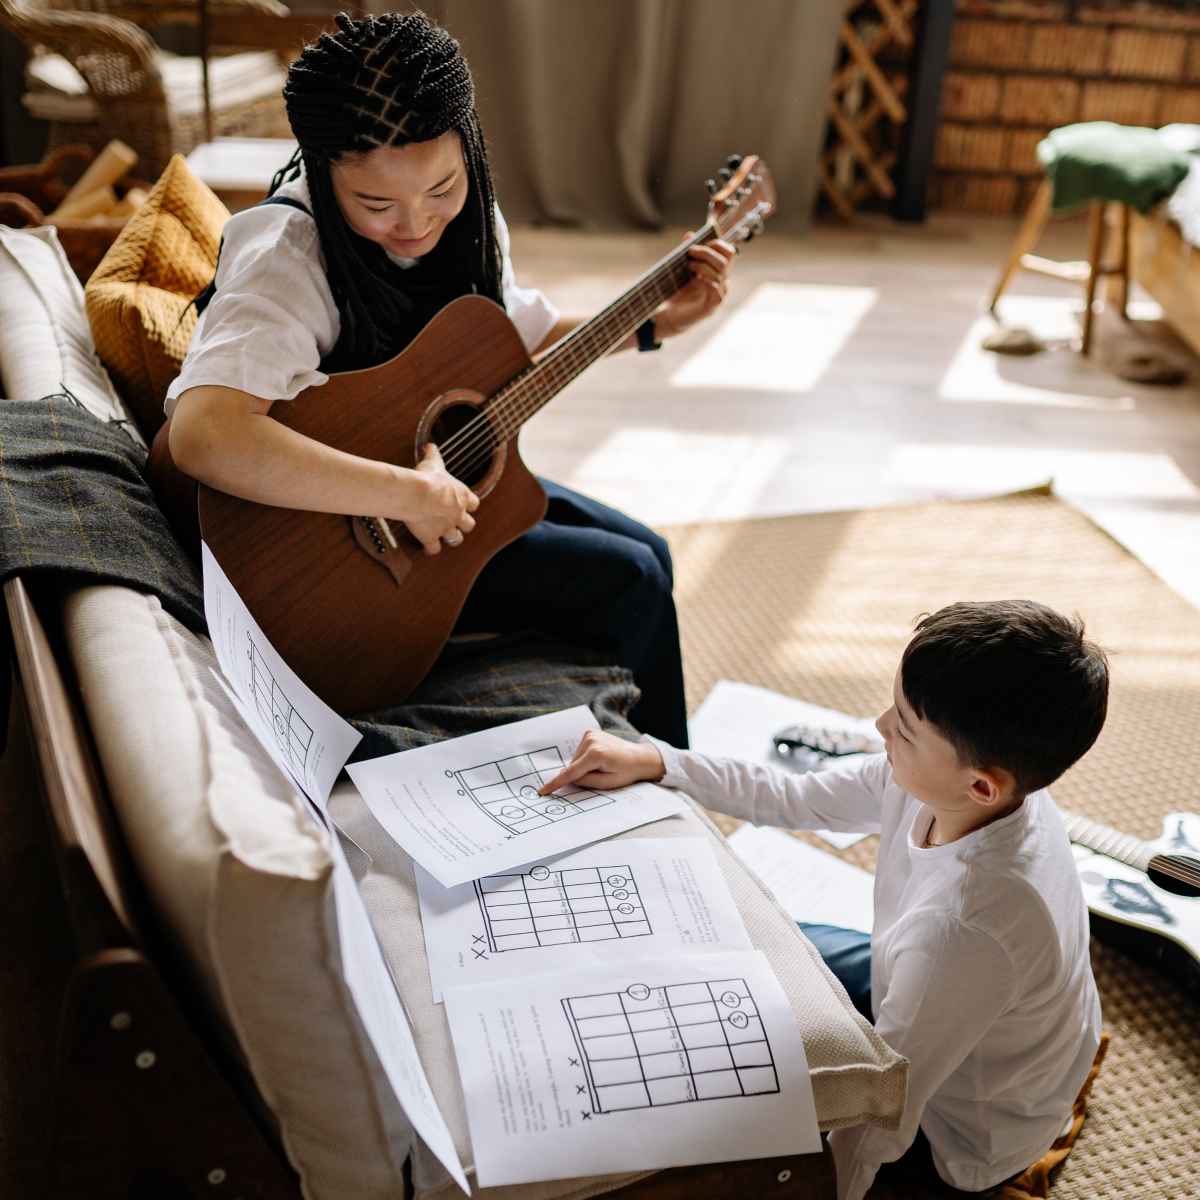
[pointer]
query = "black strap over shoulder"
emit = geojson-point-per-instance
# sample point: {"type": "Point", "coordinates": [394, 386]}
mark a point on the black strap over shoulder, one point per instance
{"type": "Point", "coordinates": [288, 200]}
{"type": "Point", "coordinates": [204, 299]}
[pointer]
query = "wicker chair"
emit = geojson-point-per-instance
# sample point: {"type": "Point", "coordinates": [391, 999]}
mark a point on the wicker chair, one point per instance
{"type": "Point", "coordinates": [106, 42]}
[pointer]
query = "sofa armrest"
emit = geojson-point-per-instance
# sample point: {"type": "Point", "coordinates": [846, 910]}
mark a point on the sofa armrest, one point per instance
{"type": "Point", "coordinates": [90, 854]}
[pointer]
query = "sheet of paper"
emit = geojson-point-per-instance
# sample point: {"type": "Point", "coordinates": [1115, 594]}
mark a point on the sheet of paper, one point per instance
{"type": "Point", "coordinates": [304, 736]}
{"type": "Point", "coordinates": [738, 720]}
{"type": "Point", "coordinates": [607, 904]}
{"type": "Point", "coordinates": [470, 807]}
{"type": "Point", "coordinates": [811, 885]}
{"type": "Point", "coordinates": [378, 1003]}
{"type": "Point", "coordinates": [666, 1063]}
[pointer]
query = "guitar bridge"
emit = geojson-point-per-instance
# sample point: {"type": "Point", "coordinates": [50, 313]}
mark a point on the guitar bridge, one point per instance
{"type": "Point", "coordinates": [372, 536]}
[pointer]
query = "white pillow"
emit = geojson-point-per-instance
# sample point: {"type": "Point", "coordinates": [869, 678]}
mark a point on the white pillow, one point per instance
{"type": "Point", "coordinates": [45, 340]}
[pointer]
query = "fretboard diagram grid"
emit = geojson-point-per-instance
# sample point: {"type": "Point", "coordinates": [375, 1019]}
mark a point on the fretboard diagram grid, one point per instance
{"type": "Point", "coordinates": [541, 907]}
{"type": "Point", "coordinates": [645, 1047]}
{"type": "Point", "coordinates": [507, 791]}
{"type": "Point", "coordinates": [293, 734]}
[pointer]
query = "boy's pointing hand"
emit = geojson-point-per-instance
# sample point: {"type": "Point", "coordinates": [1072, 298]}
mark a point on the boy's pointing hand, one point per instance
{"type": "Point", "coordinates": [604, 761]}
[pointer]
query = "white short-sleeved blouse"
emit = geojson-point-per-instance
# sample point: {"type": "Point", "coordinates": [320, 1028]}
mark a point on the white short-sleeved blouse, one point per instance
{"type": "Point", "coordinates": [274, 318]}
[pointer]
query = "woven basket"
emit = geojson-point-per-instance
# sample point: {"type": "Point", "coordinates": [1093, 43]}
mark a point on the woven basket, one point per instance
{"type": "Point", "coordinates": [1125, 103]}
{"type": "Point", "coordinates": [1068, 48]}
{"type": "Point", "coordinates": [85, 243]}
{"type": "Point", "coordinates": [1038, 10]}
{"type": "Point", "coordinates": [1033, 100]}
{"type": "Point", "coordinates": [971, 147]}
{"type": "Point", "coordinates": [47, 182]}
{"type": "Point", "coordinates": [990, 44]}
{"type": "Point", "coordinates": [1136, 54]}
{"type": "Point", "coordinates": [1179, 104]}
{"type": "Point", "coordinates": [995, 195]}
{"type": "Point", "coordinates": [1193, 58]}
{"type": "Point", "coordinates": [1022, 151]}
{"type": "Point", "coordinates": [969, 97]}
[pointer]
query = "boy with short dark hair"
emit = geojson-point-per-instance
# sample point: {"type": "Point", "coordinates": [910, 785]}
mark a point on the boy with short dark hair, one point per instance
{"type": "Point", "coordinates": [979, 965]}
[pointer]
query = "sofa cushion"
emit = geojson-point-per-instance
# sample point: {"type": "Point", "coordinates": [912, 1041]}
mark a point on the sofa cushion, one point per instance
{"type": "Point", "coordinates": [45, 343]}
{"type": "Point", "coordinates": [243, 877]}
{"type": "Point", "coordinates": [139, 297]}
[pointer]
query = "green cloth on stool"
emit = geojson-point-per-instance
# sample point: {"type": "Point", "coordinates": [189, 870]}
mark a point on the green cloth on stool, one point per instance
{"type": "Point", "coordinates": [1099, 160]}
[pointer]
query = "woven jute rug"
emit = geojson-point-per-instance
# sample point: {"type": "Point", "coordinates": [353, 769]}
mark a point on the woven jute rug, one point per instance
{"type": "Point", "coordinates": [820, 607]}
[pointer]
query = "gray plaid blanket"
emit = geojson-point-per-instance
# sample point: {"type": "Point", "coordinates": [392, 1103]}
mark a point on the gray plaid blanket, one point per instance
{"type": "Point", "coordinates": [75, 507]}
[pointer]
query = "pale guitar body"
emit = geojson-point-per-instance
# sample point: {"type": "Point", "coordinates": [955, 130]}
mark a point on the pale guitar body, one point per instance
{"type": "Point", "coordinates": [361, 620]}
{"type": "Point", "coordinates": [1144, 897]}
{"type": "Point", "coordinates": [352, 604]}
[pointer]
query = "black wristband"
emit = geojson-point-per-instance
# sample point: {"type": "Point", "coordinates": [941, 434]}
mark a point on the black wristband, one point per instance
{"type": "Point", "coordinates": [645, 336]}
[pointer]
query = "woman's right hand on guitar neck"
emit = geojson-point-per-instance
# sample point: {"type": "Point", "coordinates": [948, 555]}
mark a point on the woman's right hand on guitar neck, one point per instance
{"type": "Point", "coordinates": [224, 438]}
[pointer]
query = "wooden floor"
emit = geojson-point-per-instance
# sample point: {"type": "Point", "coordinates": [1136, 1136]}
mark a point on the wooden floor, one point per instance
{"type": "Point", "coordinates": [846, 370]}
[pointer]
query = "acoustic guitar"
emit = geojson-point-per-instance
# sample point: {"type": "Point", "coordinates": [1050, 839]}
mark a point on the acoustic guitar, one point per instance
{"type": "Point", "coordinates": [352, 604]}
{"type": "Point", "coordinates": [1144, 897]}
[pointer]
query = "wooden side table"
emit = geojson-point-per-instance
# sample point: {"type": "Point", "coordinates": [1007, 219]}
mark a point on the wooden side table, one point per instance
{"type": "Point", "coordinates": [239, 170]}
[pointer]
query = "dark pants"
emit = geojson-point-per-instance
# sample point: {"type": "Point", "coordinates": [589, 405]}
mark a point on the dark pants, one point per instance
{"type": "Point", "coordinates": [592, 575]}
{"type": "Point", "coordinates": [847, 953]}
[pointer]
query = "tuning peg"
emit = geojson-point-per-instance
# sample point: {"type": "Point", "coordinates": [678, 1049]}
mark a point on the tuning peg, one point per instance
{"type": "Point", "coordinates": [743, 192]}
{"type": "Point", "coordinates": [711, 185]}
{"type": "Point", "coordinates": [734, 161]}
{"type": "Point", "coordinates": [725, 174]}
{"type": "Point", "coordinates": [730, 202]}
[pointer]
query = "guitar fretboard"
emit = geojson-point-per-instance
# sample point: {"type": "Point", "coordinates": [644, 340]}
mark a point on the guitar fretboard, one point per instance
{"type": "Point", "coordinates": [1105, 840]}
{"type": "Point", "coordinates": [511, 407]}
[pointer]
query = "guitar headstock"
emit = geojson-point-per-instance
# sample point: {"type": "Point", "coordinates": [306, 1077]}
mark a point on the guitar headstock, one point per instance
{"type": "Point", "coordinates": [741, 198]}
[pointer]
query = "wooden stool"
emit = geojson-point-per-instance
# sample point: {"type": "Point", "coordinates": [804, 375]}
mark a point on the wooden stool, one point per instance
{"type": "Point", "coordinates": [1087, 273]}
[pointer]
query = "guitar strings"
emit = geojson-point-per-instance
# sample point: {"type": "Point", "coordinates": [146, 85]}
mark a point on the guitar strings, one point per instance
{"type": "Point", "coordinates": [586, 339]}
{"type": "Point", "coordinates": [474, 442]}
{"type": "Point", "coordinates": [464, 447]}
{"type": "Point", "coordinates": [1178, 868]}
{"type": "Point", "coordinates": [574, 355]}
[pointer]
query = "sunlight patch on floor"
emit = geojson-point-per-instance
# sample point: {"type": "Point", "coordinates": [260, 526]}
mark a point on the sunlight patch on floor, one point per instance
{"type": "Point", "coordinates": [1058, 377]}
{"type": "Point", "coordinates": [969, 469]}
{"type": "Point", "coordinates": [782, 338]}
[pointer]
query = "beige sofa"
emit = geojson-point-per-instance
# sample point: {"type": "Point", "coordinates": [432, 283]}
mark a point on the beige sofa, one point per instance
{"type": "Point", "coordinates": [237, 881]}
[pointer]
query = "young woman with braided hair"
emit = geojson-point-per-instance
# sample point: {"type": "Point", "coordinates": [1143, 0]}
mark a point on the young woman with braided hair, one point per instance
{"type": "Point", "coordinates": [383, 216]}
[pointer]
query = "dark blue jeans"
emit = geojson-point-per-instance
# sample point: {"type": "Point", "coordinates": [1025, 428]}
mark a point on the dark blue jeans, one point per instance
{"type": "Point", "coordinates": [590, 574]}
{"type": "Point", "coordinates": [847, 953]}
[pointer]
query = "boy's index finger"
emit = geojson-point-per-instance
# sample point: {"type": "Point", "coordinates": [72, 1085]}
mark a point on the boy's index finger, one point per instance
{"type": "Point", "coordinates": [568, 774]}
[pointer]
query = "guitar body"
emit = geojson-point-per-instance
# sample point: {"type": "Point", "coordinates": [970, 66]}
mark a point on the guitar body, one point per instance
{"type": "Point", "coordinates": [1147, 921]}
{"type": "Point", "coordinates": [353, 604]}
{"type": "Point", "coordinates": [360, 622]}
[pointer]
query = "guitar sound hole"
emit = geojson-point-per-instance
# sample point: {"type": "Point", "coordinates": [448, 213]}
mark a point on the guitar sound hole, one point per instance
{"type": "Point", "coordinates": [1158, 869]}
{"type": "Point", "coordinates": [467, 442]}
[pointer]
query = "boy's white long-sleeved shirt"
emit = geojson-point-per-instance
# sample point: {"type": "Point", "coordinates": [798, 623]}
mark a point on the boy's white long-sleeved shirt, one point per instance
{"type": "Point", "coordinates": [980, 969]}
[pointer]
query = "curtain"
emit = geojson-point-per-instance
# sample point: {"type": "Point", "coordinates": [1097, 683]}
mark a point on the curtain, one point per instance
{"type": "Point", "coordinates": [611, 113]}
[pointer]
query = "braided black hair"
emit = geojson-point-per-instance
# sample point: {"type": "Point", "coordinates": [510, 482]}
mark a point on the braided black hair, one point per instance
{"type": "Point", "coordinates": [389, 80]}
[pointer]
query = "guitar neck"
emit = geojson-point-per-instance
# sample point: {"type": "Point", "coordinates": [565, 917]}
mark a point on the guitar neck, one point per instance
{"type": "Point", "coordinates": [568, 358]}
{"type": "Point", "coordinates": [1133, 852]}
